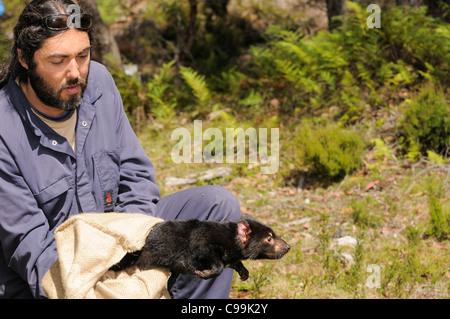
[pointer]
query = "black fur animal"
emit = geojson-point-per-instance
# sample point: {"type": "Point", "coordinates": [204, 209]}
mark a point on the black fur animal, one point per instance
{"type": "Point", "coordinates": [205, 248]}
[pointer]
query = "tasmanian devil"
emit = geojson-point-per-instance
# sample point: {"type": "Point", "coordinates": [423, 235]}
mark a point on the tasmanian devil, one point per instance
{"type": "Point", "coordinates": [205, 248]}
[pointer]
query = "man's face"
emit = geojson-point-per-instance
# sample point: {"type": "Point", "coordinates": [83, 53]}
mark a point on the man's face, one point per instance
{"type": "Point", "coordinates": [59, 74]}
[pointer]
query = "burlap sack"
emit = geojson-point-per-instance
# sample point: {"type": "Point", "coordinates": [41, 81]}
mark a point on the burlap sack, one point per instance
{"type": "Point", "coordinates": [88, 245]}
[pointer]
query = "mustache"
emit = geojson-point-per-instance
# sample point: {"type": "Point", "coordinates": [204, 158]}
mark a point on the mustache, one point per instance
{"type": "Point", "coordinates": [72, 82]}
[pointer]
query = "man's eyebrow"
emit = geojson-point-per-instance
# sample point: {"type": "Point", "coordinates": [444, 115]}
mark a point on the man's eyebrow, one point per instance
{"type": "Point", "coordinates": [58, 56]}
{"type": "Point", "coordinates": [65, 55]}
{"type": "Point", "coordinates": [85, 50]}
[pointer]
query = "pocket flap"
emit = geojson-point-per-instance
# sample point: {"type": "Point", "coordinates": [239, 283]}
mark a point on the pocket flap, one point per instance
{"type": "Point", "coordinates": [54, 190]}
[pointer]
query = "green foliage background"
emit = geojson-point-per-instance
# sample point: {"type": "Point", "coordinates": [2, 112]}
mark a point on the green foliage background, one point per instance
{"type": "Point", "coordinates": [341, 77]}
{"type": "Point", "coordinates": [278, 71]}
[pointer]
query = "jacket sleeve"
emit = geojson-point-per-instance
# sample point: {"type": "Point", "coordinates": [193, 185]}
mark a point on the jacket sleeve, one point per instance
{"type": "Point", "coordinates": [138, 191]}
{"type": "Point", "coordinates": [27, 244]}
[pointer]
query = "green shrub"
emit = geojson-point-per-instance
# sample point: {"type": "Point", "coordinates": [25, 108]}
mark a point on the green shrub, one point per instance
{"type": "Point", "coordinates": [413, 235]}
{"type": "Point", "coordinates": [402, 274]}
{"type": "Point", "coordinates": [426, 121]}
{"type": "Point", "coordinates": [331, 261]}
{"type": "Point", "coordinates": [439, 220]}
{"type": "Point", "coordinates": [355, 274]}
{"type": "Point", "coordinates": [439, 223]}
{"type": "Point", "coordinates": [329, 151]}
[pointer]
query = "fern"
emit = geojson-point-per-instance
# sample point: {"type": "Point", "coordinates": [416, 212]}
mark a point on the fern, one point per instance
{"type": "Point", "coordinates": [198, 85]}
{"type": "Point", "coordinates": [296, 51]}
{"type": "Point", "coordinates": [381, 151]}
{"type": "Point", "coordinates": [162, 104]}
{"type": "Point", "coordinates": [328, 78]}
{"type": "Point", "coordinates": [436, 158]}
{"type": "Point", "coordinates": [254, 99]}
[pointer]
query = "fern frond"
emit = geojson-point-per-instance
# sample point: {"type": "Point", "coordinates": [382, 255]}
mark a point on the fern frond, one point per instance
{"type": "Point", "coordinates": [162, 105]}
{"type": "Point", "coordinates": [294, 49]}
{"type": "Point", "coordinates": [289, 70]}
{"type": "Point", "coordinates": [328, 78]}
{"type": "Point", "coordinates": [198, 85]}
{"type": "Point", "coordinates": [253, 99]}
{"type": "Point", "coordinates": [163, 75]}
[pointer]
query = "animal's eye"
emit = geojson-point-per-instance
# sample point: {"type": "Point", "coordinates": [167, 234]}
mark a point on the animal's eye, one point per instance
{"type": "Point", "coordinates": [269, 238]}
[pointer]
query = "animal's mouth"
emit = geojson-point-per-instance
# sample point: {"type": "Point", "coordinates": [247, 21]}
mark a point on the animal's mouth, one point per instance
{"type": "Point", "coordinates": [277, 254]}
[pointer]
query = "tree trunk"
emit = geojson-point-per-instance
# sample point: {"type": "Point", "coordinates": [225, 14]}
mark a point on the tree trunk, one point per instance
{"type": "Point", "coordinates": [191, 31]}
{"type": "Point", "coordinates": [105, 49]}
{"type": "Point", "coordinates": [335, 8]}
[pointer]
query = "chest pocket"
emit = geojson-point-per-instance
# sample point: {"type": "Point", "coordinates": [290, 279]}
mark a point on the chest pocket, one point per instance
{"type": "Point", "coordinates": [107, 167]}
{"type": "Point", "coordinates": [55, 200]}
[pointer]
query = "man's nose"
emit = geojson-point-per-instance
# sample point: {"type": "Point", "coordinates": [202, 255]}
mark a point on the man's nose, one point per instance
{"type": "Point", "coordinates": [73, 71]}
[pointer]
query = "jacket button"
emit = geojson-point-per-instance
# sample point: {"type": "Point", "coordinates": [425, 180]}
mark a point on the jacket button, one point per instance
{"type": "Point", "coordinates": [54, 143]}
{"type": "Point", "coordinates": [84, 123]}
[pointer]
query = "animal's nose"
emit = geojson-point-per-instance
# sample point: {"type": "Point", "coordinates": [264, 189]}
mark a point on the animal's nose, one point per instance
{"type": "Point", "coordinates": [288, 247]}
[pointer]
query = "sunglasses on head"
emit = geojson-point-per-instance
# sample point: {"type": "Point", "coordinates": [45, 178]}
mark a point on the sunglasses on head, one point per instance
{"type": "Point", "coordinates": [64, 21]}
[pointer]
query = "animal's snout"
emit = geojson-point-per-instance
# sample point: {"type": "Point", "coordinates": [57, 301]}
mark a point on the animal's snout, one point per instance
{"type": "Point", "coordinates": [282, 248]}
{"type": "Point", "coordinates": [286, 248]}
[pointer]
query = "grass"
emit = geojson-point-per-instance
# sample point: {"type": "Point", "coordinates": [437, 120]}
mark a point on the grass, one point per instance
{"type": "Point", "coordinates": [400, 226]}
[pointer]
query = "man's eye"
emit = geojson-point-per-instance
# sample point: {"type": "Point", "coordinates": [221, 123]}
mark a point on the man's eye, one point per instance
{"type": "Point", "coordinates": [57, 62]}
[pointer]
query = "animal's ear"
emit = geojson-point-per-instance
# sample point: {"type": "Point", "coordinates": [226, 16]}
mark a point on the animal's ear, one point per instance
{"type": "Point", "coordinates": [243, 231]}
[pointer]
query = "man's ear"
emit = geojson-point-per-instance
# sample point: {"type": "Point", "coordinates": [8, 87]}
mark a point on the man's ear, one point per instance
{"type": "Point", "coordinates": [243, 231]}
{"type": "Point", "coordinates": [22, 59]}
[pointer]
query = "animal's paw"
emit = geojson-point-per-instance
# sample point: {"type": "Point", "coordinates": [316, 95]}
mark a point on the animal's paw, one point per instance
{"type": "Point", "coordinates": [243, 274]}
{"type": "Point", "coordinates": [207, 273]}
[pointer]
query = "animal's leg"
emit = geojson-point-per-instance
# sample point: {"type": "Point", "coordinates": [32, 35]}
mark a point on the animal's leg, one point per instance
{"type": "Point", "coordinates": [216, 270]}
{"type": "Point", "coordinates": [242, 271]}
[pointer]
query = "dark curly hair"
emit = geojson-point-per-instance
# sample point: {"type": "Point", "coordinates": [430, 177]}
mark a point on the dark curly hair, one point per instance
{"type": "Point", "coordinates": [30, 34]}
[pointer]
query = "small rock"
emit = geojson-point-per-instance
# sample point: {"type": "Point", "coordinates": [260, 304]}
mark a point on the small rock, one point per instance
{"type": "Point", "coordinates": [348, 257]}
{"type": "Point", "coordinates": [193, 178]}
{"type": "Point", "coordinates": [175, 181]}
{"type": "Point", "coordinates": [215, 173]}
{"type": "Point", "coordinates": [346, 241]}
{"type": "Point", "coordinates": [338, 234]}
{"type": "Point", "coordinates": [298, 222]}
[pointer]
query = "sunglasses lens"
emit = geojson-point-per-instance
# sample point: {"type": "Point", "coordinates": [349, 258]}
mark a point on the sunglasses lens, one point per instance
{"type": "Point", "coordinates": [86, 21]}
{"type": "Point", "coordinates": [62, 22]}
{"type": "Point", "coordinates": [56, 22]}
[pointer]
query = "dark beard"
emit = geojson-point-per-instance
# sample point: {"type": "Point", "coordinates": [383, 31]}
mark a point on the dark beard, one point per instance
{"type": "Point", "coordinates": [51, 98]}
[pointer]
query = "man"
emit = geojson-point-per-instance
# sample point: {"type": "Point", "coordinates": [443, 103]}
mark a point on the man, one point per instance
{"type": "Point", "coordinates": [66, 147]}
